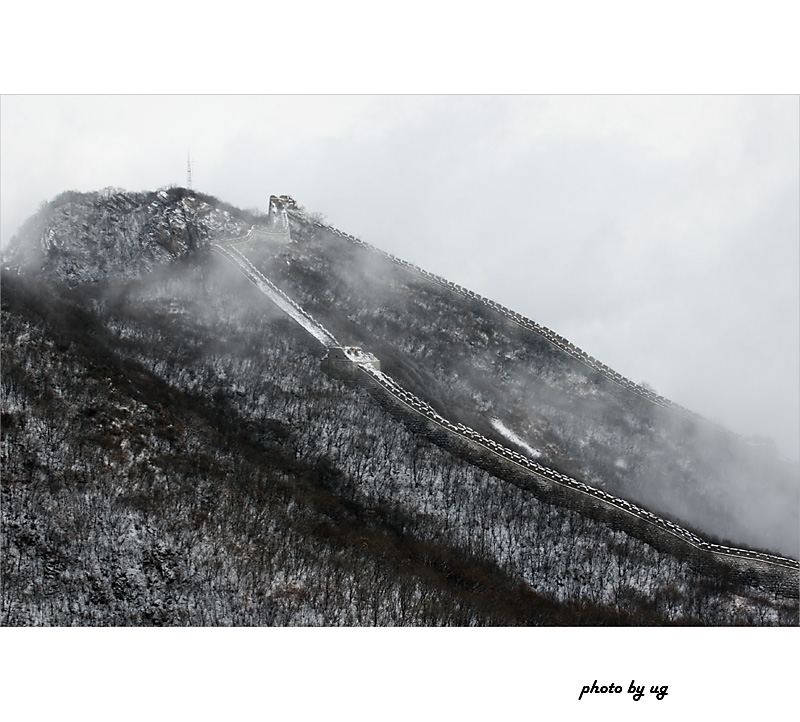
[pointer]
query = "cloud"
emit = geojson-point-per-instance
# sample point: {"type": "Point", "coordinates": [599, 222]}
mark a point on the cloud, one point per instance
{"type": "Point", "coordinates": [658, 232]}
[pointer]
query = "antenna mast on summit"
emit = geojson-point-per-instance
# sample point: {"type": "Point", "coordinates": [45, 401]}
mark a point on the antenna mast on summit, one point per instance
{"type": "Point", "coordinates": [188, 171]}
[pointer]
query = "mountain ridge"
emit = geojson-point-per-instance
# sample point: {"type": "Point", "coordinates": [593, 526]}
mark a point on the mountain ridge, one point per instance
{"type": "Point", "coordinates": [420, 408]}
{"type": "Point", "coordinates": [713, 437]}
{"type": "Point", "coordinates": [178, 321]}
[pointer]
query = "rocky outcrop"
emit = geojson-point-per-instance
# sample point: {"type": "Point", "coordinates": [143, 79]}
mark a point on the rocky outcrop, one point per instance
{"type": "Point", "coordinates": [80, 238]}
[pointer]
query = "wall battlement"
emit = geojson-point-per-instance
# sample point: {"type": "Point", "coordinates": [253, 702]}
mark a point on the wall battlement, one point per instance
{"type": "Point", "coordinates": [518, 318]}
{"type": "Point", "coordinates": [779, 574]}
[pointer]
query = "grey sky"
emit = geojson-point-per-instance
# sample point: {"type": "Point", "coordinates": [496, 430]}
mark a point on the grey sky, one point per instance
{"type": "Point", "coordinates": [659, 233]}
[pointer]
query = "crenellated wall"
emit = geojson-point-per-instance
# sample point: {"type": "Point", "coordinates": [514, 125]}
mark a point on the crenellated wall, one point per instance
{"type": "Point", "coordinates": [518, 318]}
{"type": "Point", "coordinates": [779, 574]}
{"type": "Point", "coordinates": [278, 297]}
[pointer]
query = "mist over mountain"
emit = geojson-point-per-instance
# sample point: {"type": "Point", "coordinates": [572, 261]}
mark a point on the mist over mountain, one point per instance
{"type": "Point", "coordinates": [174, 452]}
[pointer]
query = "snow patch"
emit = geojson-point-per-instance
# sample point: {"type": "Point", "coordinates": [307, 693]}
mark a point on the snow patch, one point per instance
{"type": "Point", "coordinates": [513, 438]}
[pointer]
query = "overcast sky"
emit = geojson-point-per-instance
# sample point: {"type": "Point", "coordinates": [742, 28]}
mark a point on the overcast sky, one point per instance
{"type": "Point", "coordinates": [659, 233]}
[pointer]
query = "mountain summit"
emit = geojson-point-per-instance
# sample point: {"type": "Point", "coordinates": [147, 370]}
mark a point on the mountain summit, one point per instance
{"type": "Point", "coordinates": [212, 416]}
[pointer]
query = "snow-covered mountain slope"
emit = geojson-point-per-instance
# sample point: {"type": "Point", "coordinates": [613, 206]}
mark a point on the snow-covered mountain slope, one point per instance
{"type": "Point", "coordinates": [173, 454]}
{"type": "Point", "coordinates": [477, 366]}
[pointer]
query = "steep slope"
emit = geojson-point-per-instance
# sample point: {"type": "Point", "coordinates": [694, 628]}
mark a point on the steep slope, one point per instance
{"type": "Point", "coordinates": [128, 500]}
{"type": "Point", "coordinates": [478, 366]}
{"type": "Point", "coordinates": [172, 454]}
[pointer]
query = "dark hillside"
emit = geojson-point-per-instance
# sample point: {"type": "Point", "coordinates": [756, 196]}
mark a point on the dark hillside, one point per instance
{"type": "Point", "coordinates": [130, 498]}
{"type": "Point", "coordinates": [173, 454]}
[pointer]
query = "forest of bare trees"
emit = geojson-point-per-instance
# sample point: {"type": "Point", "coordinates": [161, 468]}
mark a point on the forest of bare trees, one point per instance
{"type": "Point", "coordinates": [173, 455]}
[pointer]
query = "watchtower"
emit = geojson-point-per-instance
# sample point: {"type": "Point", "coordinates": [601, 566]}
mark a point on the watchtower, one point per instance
{"type": "Point", "coordinates": [345, 360]}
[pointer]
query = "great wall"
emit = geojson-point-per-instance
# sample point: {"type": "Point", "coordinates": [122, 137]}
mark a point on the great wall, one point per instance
{"type": "Point", "coordinates": [778, 574]}
{"type": "Point", "coordinates": [518, 318]}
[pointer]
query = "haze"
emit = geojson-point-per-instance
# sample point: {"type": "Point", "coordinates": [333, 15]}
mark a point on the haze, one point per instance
{"type": "Point", "coordinates": [659, 233]}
